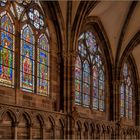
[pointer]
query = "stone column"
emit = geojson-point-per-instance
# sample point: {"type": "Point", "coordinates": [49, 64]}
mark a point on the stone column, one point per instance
{"type": "Point", "coordinates": [15, 130]}
{"type": "Point", "coordinates": [30, 132]}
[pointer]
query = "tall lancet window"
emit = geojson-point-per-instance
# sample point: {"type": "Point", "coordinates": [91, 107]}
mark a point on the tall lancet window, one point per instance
{"type": "Point", "coordinates": [32, 46]}
{"type": "Point", "coordinates": [89, 73]}
{"type": "Point", "coordinates": [126, 92]}
{"type": "Point", "coordinates": [7, 49]}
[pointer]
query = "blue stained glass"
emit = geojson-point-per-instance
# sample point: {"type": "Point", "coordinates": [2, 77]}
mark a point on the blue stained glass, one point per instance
{"type": "Point", "coordinates": [27, 35]}
{"type": "Point", "coordinates": [27, 50]}
{"type": "Point", "coordinates": [6, 24]}
{"type": "Point", "coordinates": [43, 43]}
{"type": "Point", "coordinates": [86, 77]}
{"type": "Point", "coordinates": [6, 37]}
{"type": "Point", "coordinates": [43, 65]}
{"type": "Point", "coordinates": [43, 57]}
{"type": "Point", "coordinates": [86, 67]}
{"type": "Point", "coordinates": [27, 59]}
{"type": "Point", "coordinates": [6, 52]}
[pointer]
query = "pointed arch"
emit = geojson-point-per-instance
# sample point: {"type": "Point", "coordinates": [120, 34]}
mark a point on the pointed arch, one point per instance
{"type": "Point", "coordinates": [92, 71]}
{"type": "Point", "coordinates": [43, 65]}
{"type": "Point", "coordinates": [27, 59]}
{"type": "Point", "coordinates": [126, 92]}
{"type": "Point", "coordinates": [7, 50]}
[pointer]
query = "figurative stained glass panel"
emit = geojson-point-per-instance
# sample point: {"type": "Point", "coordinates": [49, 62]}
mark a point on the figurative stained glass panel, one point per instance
{"type": "Point", "coordinates": [6, 51]}
{"type": "Point", "coordinates": [27, 59]}
{"type": "Point", "coordinates": [43, 65]}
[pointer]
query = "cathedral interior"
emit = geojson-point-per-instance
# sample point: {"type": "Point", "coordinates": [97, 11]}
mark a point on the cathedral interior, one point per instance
{"type": "Point", "coordinates": [69, 69]}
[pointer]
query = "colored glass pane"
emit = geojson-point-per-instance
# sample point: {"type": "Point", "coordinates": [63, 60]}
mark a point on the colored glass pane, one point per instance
{"type": "Point", "coordinates": [86, 99]}
{"type": "Point", "coordinates": [36, 18]}
{"type": "Point", "coordinates": [6, 51]}
{"type": "Point", "coordinates": [19, 10]}
{"type": "Point", "coordinates": [3, 2]}
{"type": "Point", "coordinates": [82, 50]}
{"type": "Point", "coordinates": [126, 93]}
{"type": "Point", "coordinates": [88, 52]}
{"type": "Point", "coordinates": [6, 24]}
{"type": "Point", "coordinates": [27, 59]}
{"type": "Point", "coordinates": [43, 65]}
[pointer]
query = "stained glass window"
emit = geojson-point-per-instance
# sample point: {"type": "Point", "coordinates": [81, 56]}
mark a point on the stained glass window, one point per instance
{"type": "Point", "coordinates": [126, 92]}
{"type": "Point", "coordinates": [27, 59]}
{"type": "Point", "coordinates": [7, 38]}
{"type": "Point", "coordinates": [3, 2]}
{"type": "Point", "coordinates": [90, 70]}
{"type": "Point", "coordinates": [43, 65]}
{"type": "Point", "coordinates": [36, 18]}
{"type": "Point", "coordinates": [34, 71]}
{"type": "Point", "coordinates": [86, 84]}
{"type": "Point", "coordinates": [78, 81]}
{"type": "Point", "coordinates": [19, 10]}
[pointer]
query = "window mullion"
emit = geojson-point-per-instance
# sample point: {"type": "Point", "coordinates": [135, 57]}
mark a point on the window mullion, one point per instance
{"type": "Point", "coordinates": [35, 65]}
{"type": "Point", "coordinates": [82, 86]}
{"type": "Point", "coordinates": [17, 56]}
{"type": "Point", "coordinates": [91, 88]}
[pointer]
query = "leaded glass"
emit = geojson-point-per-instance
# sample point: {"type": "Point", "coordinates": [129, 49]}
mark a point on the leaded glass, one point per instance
{"type": "Point", "coordinates": [86, 84]}
{"type": "Point", "coordinates": [12, 10]}
{"type": "Point", "coordinates": [19, 10]}
{"type": "Point", "coordinates": [3, 2]}
{"type": "Point", "coordinates": [24, 17]}
{"type": "Point", "coordinates": [24, 2]}
{"type": "Point", "coordinates": [92, 73]}
{"type": "Point", "coordinates": [6, 51]}
{"type": "Point", "coordinates": [126, 93]}
{"type": "Point", "coordinates": [78, 80]}
{"type": "Point", "coordinates": [27, 59]}
{"type": "Point", "coordinates": [36, 18]}
{"type": "Point", "coordinates": [43, 65]}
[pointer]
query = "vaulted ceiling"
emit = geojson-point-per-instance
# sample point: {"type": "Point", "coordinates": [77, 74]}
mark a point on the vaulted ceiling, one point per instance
{"type": "Point", "coordinates": [120, 19]}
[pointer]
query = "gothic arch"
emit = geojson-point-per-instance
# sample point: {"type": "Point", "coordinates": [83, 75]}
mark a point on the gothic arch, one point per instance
{"type": "Point", "coordinates": [129, 48]}
{"type": "Point", "coordinates": [11, 113]}
{"type": "Point", "coordinates": [51, 119]}
{"type": "Point", "coordinates": [130, 59]}
{"type": "Point", "coordinates": [40, 118]}
{"type": "Point", "coordinates": [95, 25]}
{"type": "Point", "coordinates": [27, 116]}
